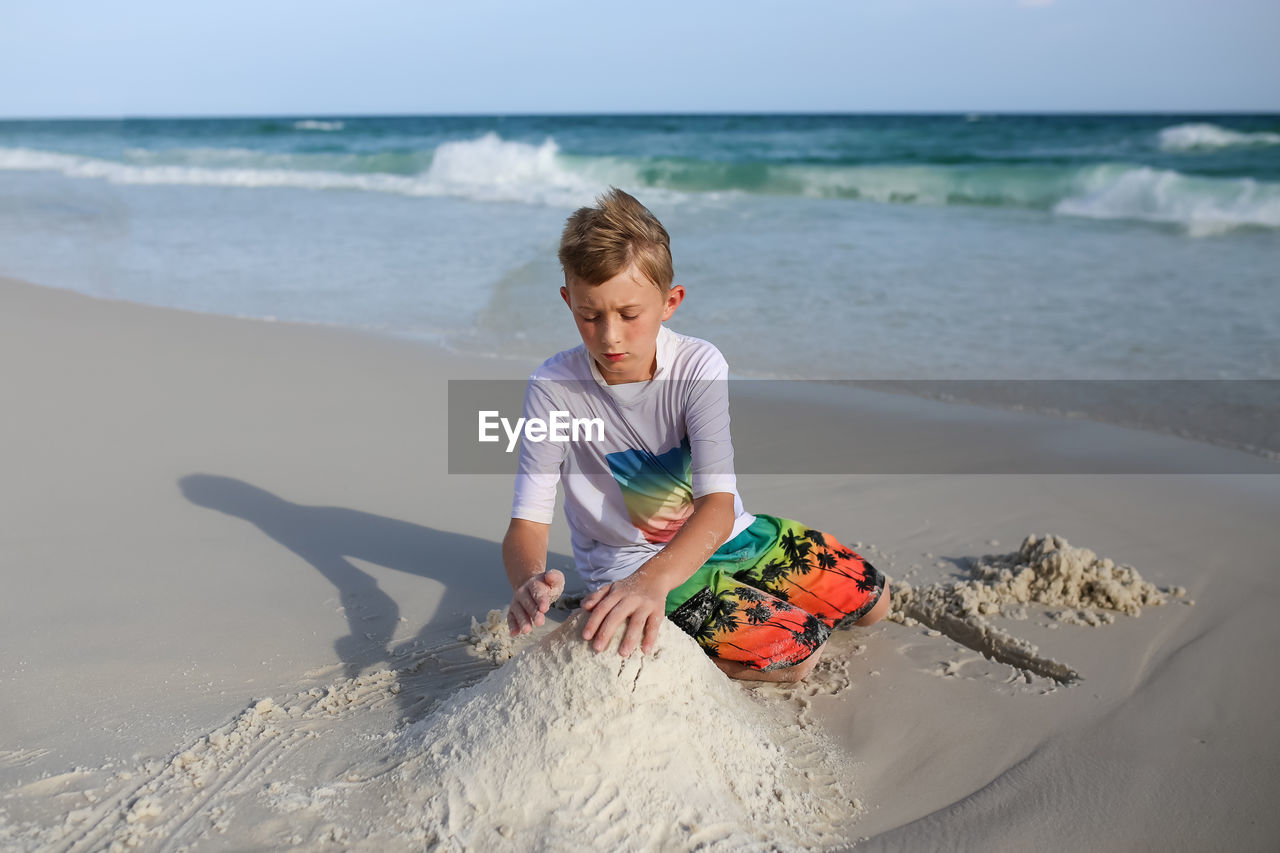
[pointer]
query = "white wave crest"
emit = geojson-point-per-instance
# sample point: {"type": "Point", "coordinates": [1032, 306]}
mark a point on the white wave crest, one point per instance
{"type": "Point", "coordinates": [1189, 137]}
{"type": "Point", "coordinates": [1204, 206]}
{"type": "Point", "coordinates": [494, 169]}
{"type": "Point", "coordinates": [484, 169]}
{"type": "Point", "coordinates": [312, 124]}
{"type": "Point", "coordinates": [204, 156]}
{"type": "Point", "coordinates": [74, 166]}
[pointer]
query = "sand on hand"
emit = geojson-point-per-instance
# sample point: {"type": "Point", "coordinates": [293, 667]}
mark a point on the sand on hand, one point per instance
{"type": "Point", "coordinates": [567, 748]}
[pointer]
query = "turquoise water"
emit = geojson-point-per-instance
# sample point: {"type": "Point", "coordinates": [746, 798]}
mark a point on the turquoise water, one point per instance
{"type": "Point", "coordinates": [1207, 173]}
{"type": "Point", "coordinates": [858, 247]}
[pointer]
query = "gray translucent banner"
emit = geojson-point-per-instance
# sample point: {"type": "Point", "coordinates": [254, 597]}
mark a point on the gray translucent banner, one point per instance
{"type": "Point", "coordinates": [919, 427]}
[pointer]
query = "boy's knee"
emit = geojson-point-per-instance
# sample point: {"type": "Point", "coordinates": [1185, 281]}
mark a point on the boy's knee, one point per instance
{"type": "Point", "coordinates": [793, 674]}
{"type": "Point", "coordinates": [881, 609]}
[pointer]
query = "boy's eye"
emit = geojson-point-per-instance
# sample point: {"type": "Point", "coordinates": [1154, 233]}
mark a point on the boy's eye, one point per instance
{"type": "Point", "coordinates": [630, 316]}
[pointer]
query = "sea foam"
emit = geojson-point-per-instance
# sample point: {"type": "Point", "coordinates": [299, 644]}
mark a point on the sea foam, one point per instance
{"type": "Point", "coordinates": [1201, 135]}
{"type": "Point", "coordinates": [1204, 206]}
{"type": "Point", "coordinates": [312, 124]}
{"type": "Point", "coordinates": [485, 169]}
{"type": "Point", "coordinates": [493, 169]}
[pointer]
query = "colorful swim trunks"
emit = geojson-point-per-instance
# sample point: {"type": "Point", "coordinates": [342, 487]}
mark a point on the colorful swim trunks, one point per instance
{"type": "Point", "coordinates": [769, 597]}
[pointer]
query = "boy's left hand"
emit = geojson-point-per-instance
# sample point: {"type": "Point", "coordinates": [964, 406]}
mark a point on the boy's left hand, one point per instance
{"type": "Point", "coordinates": [637, 600]}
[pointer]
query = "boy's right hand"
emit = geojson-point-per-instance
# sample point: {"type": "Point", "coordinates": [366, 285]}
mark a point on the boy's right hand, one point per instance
{"type": "Point", "coordinates": [532, 599]}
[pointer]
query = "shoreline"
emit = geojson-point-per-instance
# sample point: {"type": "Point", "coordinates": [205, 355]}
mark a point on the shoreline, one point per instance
{"type": "Point", "coordinates": [1256, 403]}
{"type": "Point", "coordinates": [205, 514]}
{"type": "Point", "coordinates": [1182, 408]}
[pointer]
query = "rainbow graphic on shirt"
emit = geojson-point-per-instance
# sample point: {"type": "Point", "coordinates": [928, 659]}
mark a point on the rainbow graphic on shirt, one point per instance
{"type": "Point", "coordinates": [657, 489]}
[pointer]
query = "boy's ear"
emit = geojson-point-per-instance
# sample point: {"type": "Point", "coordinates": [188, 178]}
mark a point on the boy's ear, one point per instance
{"type": "Point", "coordinates": [674, 297]}
{"type": "Point", "coordinates": [564, 294]}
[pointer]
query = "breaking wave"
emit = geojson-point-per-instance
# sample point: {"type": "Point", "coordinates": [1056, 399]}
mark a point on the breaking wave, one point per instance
{"type": "Point", "coordinates": [490, 168]}
{"type": "Point", "coordinates": [313, 124]}
{"type": "Point", "coordinates": [484, 169]}
{"type": "Point", "coordinates": [1190, 137]}
{"type": "Point", "coordinates": [1204, 206]}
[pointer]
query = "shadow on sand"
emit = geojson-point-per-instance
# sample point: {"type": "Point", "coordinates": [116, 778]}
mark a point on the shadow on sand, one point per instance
{"type": "Point", "coordinates": [468, 568]}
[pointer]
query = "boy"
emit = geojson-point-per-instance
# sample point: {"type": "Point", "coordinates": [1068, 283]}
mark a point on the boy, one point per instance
{"type": "Point", "coordinates": [658, 527]}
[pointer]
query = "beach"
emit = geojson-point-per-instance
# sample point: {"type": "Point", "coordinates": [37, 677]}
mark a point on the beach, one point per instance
{"type": "Point", "coordinates": [239, 577]}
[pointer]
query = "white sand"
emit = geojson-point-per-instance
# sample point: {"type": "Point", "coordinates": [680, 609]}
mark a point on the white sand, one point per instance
{"type": "Point", "coordinates": [587, 750]}
{"type": "Point", "coordinates": [236, 572]}
{"type": "Point", "coordinates": [492, 640]}
{"type": "Point", "coordinates": [1046, 570]}
{"type": "Point", "coordinates": [561, 749]}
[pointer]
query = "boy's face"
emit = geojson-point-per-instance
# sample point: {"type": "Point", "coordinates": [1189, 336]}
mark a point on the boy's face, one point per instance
{"type": "Point", "coordinates": [619, 322]}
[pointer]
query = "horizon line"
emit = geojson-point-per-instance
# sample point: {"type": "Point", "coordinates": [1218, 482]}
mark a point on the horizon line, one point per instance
{"type": "Point", "coordinates": [646, 114]}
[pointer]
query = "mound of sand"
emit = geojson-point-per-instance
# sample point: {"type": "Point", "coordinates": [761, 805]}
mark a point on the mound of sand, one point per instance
{"type": "Point", "coordinates": [566, 748]}
{"type": "Point", "coordinates": [1047, 571]}
{"type": "Point", "coordinates": [492, 640]}
{"type": "Point", "coordinates": [562, 748]}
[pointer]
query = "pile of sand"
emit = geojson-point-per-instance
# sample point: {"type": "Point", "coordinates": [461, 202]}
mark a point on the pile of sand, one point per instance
{"type": "Point", "coordinates": [566, 748]}
{"type": "Point", "coordinates": [1046, 571]}
{"type": "Point", "coordinates": [562, 748]}
{"type": "Point", "coordinates": [492, 640]}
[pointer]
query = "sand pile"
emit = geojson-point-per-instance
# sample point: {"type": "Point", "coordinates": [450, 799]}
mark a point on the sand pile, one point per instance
{"type": "Point", "coordinates": [563, 748]}
{"type": "Point", "coordinates": [559, 749]}
{"type": "Point", "coordinates": [1046, 571]}
{"type": "Point", "coordinates": [492, 640]}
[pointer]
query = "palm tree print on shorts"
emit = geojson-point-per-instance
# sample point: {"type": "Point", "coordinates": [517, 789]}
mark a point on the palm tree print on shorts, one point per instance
{"type": "Point", "coordinates": [773, 594]}
{"type": "Point", "coordinates": [752, 627]}
{"type": "Point", "coordinates": [813, 571]}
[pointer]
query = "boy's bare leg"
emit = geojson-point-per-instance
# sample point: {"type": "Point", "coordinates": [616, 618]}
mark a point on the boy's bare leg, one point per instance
{"type": "Point", "coordinates": [878, 612]}
{"type": "Point", "coordinates": [789, 675]}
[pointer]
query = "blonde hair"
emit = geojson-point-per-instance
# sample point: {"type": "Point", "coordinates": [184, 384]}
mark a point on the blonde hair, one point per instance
{"type": "Point", "coordinates": [600, 242]}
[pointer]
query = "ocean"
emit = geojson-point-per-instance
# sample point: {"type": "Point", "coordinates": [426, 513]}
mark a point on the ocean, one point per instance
{"type": "Point", "coordinates": [856, 247]}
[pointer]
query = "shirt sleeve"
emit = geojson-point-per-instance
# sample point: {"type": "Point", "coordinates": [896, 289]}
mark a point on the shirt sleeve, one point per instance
{"type": "Point", "coordinates": [707, 425]}
{"type": "Point", "coordinates": [540, 461]}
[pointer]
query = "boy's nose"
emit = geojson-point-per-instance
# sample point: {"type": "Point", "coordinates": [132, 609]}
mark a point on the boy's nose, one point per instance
{"type": "Point", "coordinates": [609, 334]}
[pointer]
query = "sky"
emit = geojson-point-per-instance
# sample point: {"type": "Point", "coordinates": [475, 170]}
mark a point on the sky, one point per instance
{"type": "Point", "coordinates": [77, 58]}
